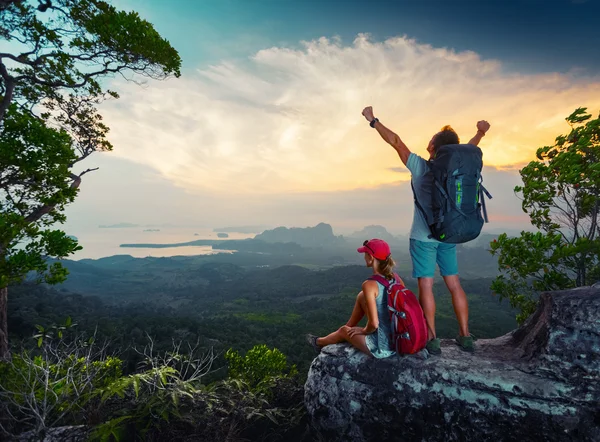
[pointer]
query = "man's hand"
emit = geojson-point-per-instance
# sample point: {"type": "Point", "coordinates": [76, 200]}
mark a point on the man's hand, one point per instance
{"type": "Point", "coordinates": [368, 113]}
{"type": "Point", "coordinates": [483, 126]}
{"type": "Point", "coordinates": [356, 331]}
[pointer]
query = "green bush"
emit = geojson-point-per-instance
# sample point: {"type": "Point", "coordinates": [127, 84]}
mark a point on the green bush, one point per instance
{"type": "Point", "coordinates": [258, 366]}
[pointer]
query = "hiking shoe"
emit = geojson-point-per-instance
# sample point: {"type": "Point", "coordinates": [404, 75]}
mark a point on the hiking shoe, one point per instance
{"type": "Point", "coordinates": [434, 346]}
{"type": "Point", "coordinates": [312, 340]}
{"type": "Point", "coordinates": [465, 343]}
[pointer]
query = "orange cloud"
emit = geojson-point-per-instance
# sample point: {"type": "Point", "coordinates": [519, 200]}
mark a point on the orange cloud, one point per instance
{"type": "Point", "coordinates": [288, 120]}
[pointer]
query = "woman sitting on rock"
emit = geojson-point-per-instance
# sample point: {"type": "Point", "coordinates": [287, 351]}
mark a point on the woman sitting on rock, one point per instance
{"type": "Point", "coordinates": [374, 338]}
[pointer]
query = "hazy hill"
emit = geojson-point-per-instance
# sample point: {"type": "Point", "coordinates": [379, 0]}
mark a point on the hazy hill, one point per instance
{"type": "Point", "coordinates": [318, 236]}
{"type": "Point", "coordinates": [374, 231]}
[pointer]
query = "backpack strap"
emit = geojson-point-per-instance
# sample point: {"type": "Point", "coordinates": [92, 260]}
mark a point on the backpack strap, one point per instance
{"type": "Point", "coordinates": [381, 280]}
{"type": "Point", "coordinates": [384, 282]}
{"type": "Point", "coordinates": [482, 194]}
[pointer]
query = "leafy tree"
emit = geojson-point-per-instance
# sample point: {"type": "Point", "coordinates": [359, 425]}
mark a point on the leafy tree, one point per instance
{"type": "Point", "coordinates": [50, 87]}
{"type": "Point", "coordinates": [561, 195]}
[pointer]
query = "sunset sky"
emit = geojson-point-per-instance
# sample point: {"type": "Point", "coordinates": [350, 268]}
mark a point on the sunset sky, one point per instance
{"type": "Point", "coordinates": [264, 126]}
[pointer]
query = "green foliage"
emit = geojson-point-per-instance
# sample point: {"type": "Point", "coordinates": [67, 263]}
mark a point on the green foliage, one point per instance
{"type": "Point", "coordinates": [34, 173]}
{"type": "Point", "coordinates": [54, 385]}
{"type": "Point", "coordinates": [163, 401]}
{"type": "Point", "coordinates": [155, 392]}
{"type": "Point", "coordinates": [269, 318]}
{"type": "Point", "coordinates": [561, 195]}
{"type": "Point", "coordinates": [50, 88]}
{"type": "Point", "coordinates": [69, 384]}
{"type": "Point", "coordinates": [75, 42]}
{"type": "Point", "coordinates": [258, 366]}
{"type": "Point", "coordinates": [55, 331]}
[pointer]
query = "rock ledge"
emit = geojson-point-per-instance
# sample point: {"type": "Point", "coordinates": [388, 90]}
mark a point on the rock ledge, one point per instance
{"type": "Point", "coordinates": [540, 382]}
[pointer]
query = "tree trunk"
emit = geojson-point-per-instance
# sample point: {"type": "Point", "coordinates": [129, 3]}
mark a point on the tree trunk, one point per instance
{"type": "Point", "coordinates": [4, 353]}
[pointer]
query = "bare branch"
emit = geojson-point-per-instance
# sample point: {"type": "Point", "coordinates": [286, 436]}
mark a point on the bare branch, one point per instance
{"type": "Point", "coordinates": [87, 171]}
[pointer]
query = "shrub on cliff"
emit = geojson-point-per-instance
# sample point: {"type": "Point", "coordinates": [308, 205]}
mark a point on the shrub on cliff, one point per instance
{"type": "Point", "coordinates": [561, 195]}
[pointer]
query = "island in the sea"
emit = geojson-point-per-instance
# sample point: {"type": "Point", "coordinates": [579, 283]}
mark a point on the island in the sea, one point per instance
{"type": "Point", "coordinates": [118, 226]}
{"type": "Point", "coordinates": [152, 230]}
{"type": "Point", "coordinates": [222, 235]}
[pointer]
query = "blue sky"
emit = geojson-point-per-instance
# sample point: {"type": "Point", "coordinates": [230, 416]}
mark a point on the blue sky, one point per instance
{"type": "Point", "coordinates": [527, 35]}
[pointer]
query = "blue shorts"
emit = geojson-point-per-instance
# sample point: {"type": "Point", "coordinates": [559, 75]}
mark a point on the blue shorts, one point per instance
{"type": "Point", "coordinates": [425, 255]}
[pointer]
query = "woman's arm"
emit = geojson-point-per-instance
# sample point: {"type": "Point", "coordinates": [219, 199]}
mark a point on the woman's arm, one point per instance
{"type": "Point", "coordinates": [371, 290]}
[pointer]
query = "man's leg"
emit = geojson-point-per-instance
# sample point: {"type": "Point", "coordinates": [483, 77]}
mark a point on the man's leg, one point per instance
{"type": "Point", "coordinates": [427, 302]}
{"type": "Point", "coordinates": [423, 256]}
{"type": "Point", "coordinates": [448, 263]}
{"type": "Point", "coordinates": [459, 302]}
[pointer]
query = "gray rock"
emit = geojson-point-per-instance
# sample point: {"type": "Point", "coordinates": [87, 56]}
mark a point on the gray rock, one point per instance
{"type": "Point", "coordinates": [539, 383]}
{"type": "Point", "coordinates": [77, 433]}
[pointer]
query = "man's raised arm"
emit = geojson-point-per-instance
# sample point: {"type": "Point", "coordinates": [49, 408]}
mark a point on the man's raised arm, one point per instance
{"type": "Point", "coordinates": [388, 136]}
{"type": "Point", "coordinates": [482, 127]}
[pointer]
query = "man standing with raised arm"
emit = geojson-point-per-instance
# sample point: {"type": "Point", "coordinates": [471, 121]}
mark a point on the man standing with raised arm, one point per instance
{"type": "Point", "coordinates": [426, 252]}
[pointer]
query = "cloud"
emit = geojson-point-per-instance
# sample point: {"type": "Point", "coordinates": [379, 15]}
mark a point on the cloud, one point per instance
{"type": "Point", "coordinates": [288, 120]}
{"type": "Point", "coordinates": [399, 169]}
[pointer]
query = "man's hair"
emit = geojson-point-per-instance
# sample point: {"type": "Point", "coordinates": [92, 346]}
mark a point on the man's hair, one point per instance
{"type": "Point", "coordinates": [445, 136]}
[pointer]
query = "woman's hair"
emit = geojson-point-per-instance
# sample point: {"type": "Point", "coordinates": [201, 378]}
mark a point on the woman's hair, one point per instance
{"type": "Point", "coordinates": [444, 137]}
{"type": "Point", "coordinates": [386, 267]}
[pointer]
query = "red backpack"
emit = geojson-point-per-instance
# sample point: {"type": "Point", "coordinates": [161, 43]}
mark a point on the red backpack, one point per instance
{"type": "Point", "coordinates": [409, 328]}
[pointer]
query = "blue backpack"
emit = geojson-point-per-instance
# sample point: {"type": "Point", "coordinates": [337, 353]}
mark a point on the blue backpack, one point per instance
{"type": "Point", "coordinates": [454, 214]}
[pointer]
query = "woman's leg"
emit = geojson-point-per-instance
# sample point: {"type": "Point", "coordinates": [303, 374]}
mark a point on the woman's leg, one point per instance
{"type": "Point", "coordinates": [359, 310]}
{"type": "Point", "coordinates": [341, 335]}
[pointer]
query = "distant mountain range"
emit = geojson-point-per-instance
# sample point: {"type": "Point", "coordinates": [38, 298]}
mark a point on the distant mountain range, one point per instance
{"type": "Point", "coordinates": [376, 231]}
{"type": "Point", "coordinates": [312, 244]}
{"type": "Point", "coordinates": [317, 236]}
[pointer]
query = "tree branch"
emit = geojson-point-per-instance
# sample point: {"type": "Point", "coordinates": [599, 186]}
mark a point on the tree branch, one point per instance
{"type": "Point", "coordinates": [20, 58]}
{"type": "Point", "coordinates": [43, 210]}
{"type": "Point", "coordinates": [9, 90]}
{"type": "Point", "coordinates": [87, 171]}
{"type": "Point", "coordinates": [86, 78]}
{"type": "Point", "coordinates": [594, 221]}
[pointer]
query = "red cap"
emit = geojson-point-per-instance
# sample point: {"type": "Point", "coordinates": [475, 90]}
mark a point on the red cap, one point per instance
{"type": "Point", "coordinates": [377, 248]}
